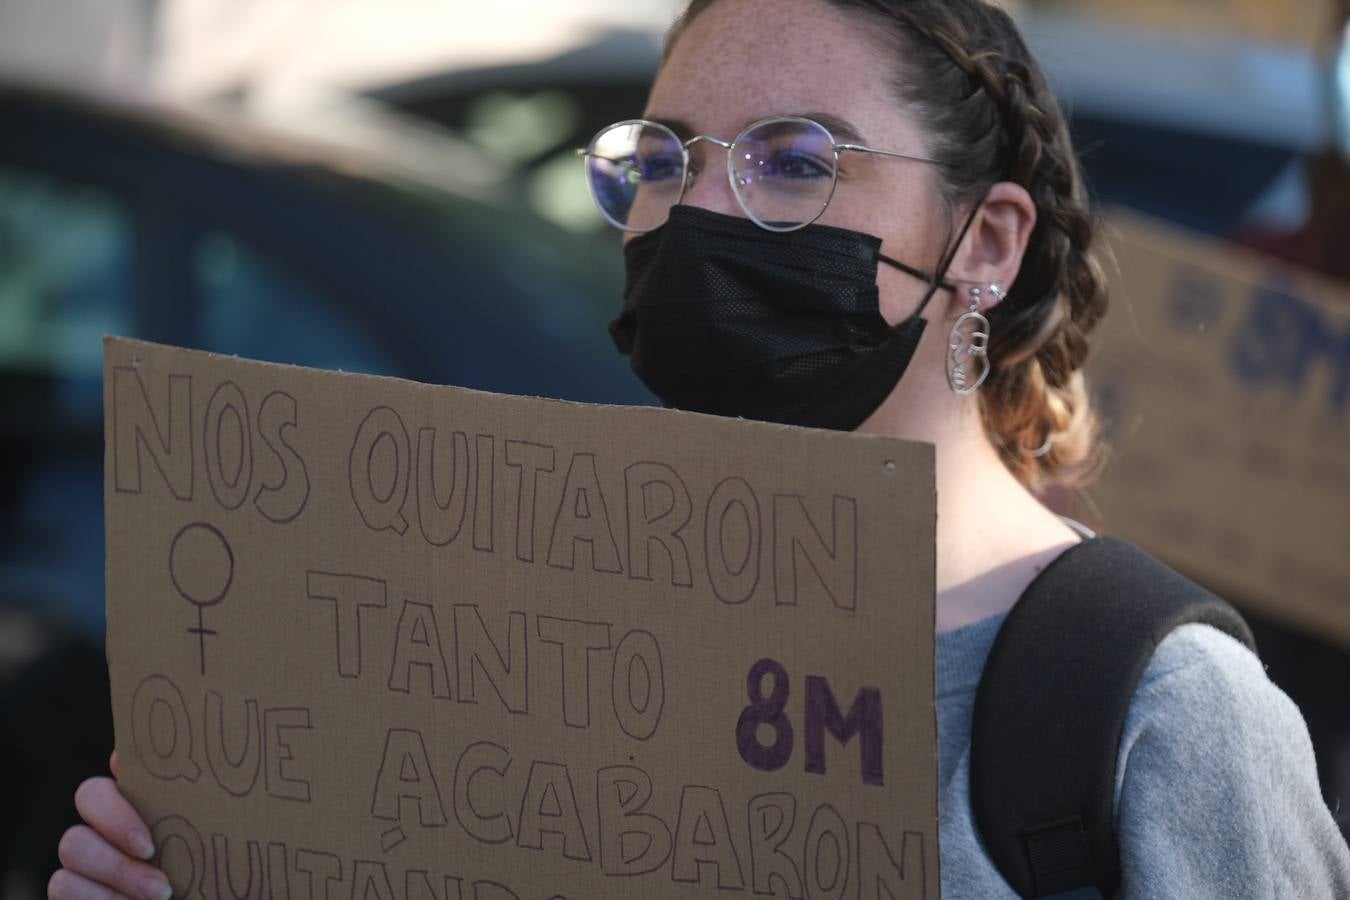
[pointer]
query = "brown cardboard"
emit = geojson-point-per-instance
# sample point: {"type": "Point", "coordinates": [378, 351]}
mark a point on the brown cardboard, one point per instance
{"type": "Point", "coordinates": [1227, 379]}
{"type": "Point", "coordinates": [1307, 24]}
{"type": "Point", "coordinates": [375, 640]}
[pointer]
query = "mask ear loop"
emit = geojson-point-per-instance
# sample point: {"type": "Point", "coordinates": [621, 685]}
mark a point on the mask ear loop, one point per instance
{"type": "Point", "coordinates": [938, 281]}
{"type": "Point", "coordinates": [917, 273]}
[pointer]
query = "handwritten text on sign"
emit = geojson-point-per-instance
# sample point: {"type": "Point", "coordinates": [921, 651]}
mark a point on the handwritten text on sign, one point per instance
{"type": "Point", "coordinates": [372, 640]}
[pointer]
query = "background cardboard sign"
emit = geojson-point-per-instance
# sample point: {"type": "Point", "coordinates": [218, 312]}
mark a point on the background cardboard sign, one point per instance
{"type": "Point", "coordinates": [1297, 23]}
{"type": "Point", "coordinates": [1226, 378]}
{"type": "Point", "coordinates": [375, 640]}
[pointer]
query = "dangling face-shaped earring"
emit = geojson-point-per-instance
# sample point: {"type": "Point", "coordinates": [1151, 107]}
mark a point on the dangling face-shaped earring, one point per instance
{"type": "Point", "coordinates": [968, 346]}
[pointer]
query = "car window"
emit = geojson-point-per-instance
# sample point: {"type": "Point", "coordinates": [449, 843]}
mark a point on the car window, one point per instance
{"type": "Point", "coordinates": [252, 306]}
{"type": "Point", "coordinates": [66, 279]}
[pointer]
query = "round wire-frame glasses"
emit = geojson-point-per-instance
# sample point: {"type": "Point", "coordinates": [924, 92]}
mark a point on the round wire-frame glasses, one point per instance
{"type": "Point", "coordinates": [604, 171]}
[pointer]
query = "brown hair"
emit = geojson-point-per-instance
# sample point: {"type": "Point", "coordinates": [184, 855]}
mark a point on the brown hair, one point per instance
{"type": "Point", "coordinates": [984, 103]}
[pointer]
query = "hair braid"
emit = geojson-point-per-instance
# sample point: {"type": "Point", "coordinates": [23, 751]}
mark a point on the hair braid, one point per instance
{"type": "Point", "coordinates": [1035, 401]}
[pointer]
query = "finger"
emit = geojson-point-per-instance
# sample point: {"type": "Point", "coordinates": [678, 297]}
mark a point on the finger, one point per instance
{"type": "Point", "coordinates": [112, 766]}
{"type": "Point", "coordinates": [102, 805]}
{"type": "Point", "coordinates": [66, 885]}
{"type": "Point", "coordinates": [86, 854]}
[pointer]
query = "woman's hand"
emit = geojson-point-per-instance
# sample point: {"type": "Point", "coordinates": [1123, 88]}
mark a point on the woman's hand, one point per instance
{"type": "Point", "coordinates": [104, 859]}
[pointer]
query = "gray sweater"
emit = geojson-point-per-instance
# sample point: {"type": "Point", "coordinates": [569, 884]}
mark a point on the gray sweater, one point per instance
{"type": "Point", "coordinates": [1216, 785]}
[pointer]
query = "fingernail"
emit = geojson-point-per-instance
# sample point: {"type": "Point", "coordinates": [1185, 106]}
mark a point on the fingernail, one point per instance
{"type": "Point", "coordinates": [141, 844]}
{"type": "Point", "coordinates": [153, 888]}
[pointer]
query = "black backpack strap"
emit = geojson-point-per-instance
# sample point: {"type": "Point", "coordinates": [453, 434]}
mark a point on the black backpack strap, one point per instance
{"type": "Point", "coordinates": [1051, 705]}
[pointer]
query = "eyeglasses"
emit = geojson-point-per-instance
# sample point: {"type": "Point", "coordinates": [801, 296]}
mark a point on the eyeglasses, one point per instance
{"type": "Point", "coordinates": [783, 171]}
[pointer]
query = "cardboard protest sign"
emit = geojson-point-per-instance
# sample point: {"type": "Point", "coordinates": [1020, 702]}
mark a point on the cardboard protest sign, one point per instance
{"type": "Point", "coordinates": [375, 640]}
{"type": "Point", "coordinates": [1302, 23]}
{"type": "Point", "coordinates": [1226, 379]}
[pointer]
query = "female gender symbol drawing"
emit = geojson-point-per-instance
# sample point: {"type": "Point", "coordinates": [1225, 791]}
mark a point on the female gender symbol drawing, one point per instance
{"type": "Point", "coordinates": [201, 565]}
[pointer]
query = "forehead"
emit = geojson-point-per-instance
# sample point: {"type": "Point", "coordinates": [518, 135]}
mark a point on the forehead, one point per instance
{"type": "Point", "coordinates": [743, 60]}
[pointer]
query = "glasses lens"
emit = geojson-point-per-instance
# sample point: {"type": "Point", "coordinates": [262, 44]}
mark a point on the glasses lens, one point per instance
{"type": "Point", "coordinates": [783, 171]}
{"type": "Point", "coordinates": [636, 174]}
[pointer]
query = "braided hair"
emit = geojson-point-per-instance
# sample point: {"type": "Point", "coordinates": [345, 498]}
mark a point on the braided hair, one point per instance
{"type": "Point", "coordinates": [975, 89]}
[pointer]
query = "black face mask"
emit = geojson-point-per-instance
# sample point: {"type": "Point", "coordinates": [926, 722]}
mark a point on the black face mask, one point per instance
{"type": "Point", "coordinates": [721, 316]}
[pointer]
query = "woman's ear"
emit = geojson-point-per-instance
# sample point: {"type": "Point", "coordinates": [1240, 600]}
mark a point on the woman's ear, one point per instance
{"type": "Point", "coordinates": [992, 250]}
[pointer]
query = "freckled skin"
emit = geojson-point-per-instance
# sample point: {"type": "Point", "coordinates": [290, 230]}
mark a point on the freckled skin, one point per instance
{"type": "Point", "coordinates": [743, 60]}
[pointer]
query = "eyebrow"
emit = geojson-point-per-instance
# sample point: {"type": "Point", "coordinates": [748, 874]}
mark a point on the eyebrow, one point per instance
{"type": "Point", "coordinates": [681, 128]}
{"type": "Point", "coordinates": [841, 129]}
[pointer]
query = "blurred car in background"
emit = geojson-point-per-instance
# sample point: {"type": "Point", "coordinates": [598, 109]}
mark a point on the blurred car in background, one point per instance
{"type": "Point", "coordinates": [203, 231]}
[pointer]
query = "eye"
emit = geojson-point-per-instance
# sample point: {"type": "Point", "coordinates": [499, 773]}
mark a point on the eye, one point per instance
{"type": "Point", "coordinates": [660, 167]}
{"type": "Point", "coordinates": [796, 164]}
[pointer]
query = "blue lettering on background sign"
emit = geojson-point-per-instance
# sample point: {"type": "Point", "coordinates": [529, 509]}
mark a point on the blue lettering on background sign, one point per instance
{"type": "Point", "coordinates": [1285, 339]}
{"type": "Point", "coordinates": [1195, 299]}
{"type": "Point", "coordinates": [1109, 398]}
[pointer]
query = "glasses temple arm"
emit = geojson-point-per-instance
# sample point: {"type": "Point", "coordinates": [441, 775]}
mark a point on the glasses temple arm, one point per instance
{"type": "Point", "coordinates": [862, 149]}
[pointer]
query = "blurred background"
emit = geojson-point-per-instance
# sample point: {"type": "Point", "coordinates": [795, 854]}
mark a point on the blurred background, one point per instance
{"type": "Point", "coordinates": [390, 188]}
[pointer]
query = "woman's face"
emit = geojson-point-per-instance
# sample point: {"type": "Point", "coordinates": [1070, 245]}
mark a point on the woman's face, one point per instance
{"type": "Point", "coordinates": [743, 60]}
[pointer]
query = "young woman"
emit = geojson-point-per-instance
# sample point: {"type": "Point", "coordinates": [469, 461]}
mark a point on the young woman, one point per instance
{"type": "Point", "coordinates": [868, 215]}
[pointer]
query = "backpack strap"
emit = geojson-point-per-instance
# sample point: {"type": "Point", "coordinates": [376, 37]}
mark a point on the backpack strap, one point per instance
{"type": "Point", "coordinates": [1051, 705]}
